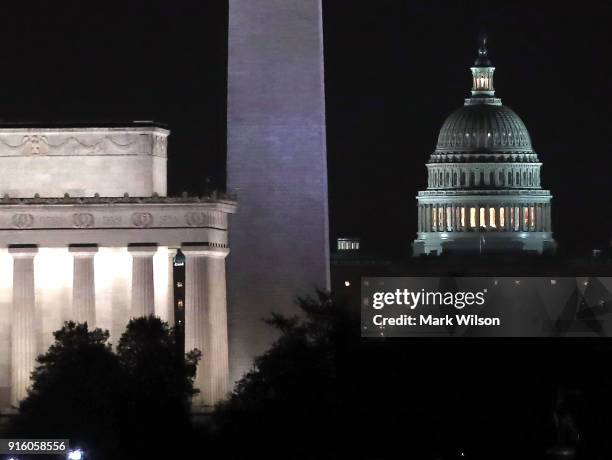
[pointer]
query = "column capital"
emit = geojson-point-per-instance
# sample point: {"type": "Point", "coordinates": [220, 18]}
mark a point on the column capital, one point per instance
{"type": "Point", "coordinates": [142, 250]}
{"type": "Point", "coordinates": [206, 250]}
{"type": "Point", "coordinates": [29, 250]}
{"type": "Point", "coordinates": [83, 251]}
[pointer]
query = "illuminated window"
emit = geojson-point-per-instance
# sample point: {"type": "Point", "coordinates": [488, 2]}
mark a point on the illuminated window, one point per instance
{"type": "Point", "coordinates": [180, 304]}
{"type": "Point", "coordinates": [525, 217]}
{"type": "Point", "coordinates": [492, 217]}
{"type": "Point", "coordinates": [434, 217]}
{"type": "Point", "coordinates": [472, 217]}
{"type": "Point", "coordinates": [449, 217]}
{"type": "Point", "coordinates": [502, 217]}
{"type": "Point", "coordinates": [532, 217]}
{"type": "Point", "coordinates": [440, 217]}
{"type": "Point", "coordinates": [462, 217]}
{"type": "Point", "coordinates": [483, 217]}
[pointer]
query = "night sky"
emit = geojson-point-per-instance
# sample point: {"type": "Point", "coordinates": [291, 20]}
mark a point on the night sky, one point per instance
{"type": "Point", "coordinates": [394, 71]}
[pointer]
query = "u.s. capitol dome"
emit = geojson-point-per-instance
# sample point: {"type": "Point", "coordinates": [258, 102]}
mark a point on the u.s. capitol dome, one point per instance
{"type": "Point", "coordinates": [484, 192]}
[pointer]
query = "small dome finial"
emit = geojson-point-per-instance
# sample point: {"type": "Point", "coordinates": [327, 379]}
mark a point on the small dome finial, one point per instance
{"type": "Point", "coordinates": [482, 51]}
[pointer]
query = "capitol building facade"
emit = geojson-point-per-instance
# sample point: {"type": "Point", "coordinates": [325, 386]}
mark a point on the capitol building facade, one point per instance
{"type": "Point", "coordinates": [484, 189]}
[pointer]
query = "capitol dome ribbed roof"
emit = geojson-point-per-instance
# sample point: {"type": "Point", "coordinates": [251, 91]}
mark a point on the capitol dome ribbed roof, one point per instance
{"type": "Point", "coordinates": [484, 127]}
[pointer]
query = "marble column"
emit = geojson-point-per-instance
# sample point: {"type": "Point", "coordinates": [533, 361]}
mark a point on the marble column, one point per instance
{"type": "Point", "coordinates": [83, 285]}
{"type": "Point", "coordinates": [206, 320]}
{"type": "Point", "coordinates": [508, 218]}
{"type": "Point", "coordinates": [433, 222]}
{"type": "Point", "coordinates": [170, 313]}
{"type": "Point", "coordinates": [23, 334]}
{"type": "Point", "coordinates": [443, 218]}
{"type": "Point", "coordinates": [143, 294]}
{"type": "Point", "coordinates": [434, 217]}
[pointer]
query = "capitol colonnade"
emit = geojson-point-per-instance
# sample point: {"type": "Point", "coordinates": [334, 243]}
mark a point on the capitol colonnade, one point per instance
{"type": "Point", "coordinates": [104, 261]}
{"type": "Point", "coordinates": [460, 217]}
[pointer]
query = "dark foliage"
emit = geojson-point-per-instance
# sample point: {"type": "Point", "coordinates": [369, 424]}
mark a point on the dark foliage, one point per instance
{"type": "Point", "coordinates": [159, 391]}
{"type": "Point", "coordinates": [75, 391]}
{"type": "Point", "coordinates": [130, 404]}
{"type": "Point", "coordinates": [296, 402]}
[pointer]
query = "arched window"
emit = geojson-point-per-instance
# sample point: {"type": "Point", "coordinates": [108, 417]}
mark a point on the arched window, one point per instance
{"type": "Point", "coordinates": [501, 178]}
{"type": "Point", "coordinates": [509, 178]}
{"type": "Point", "coordinates": [491, 179]}
{"type": "Point", "coordinates": [472, 179]}
{"type": "Point", "coordinates": [482, 178]}
{"type": "Point", "coordinates": [447, 180]}
{"type": "Point", "coordinates": [517, 178]}
{"type": "Point", "coordinates": [462, 178]}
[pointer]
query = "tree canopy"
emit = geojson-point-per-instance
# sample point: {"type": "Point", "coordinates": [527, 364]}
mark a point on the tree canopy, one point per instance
{"type": "Point", "coordinates": [296, 399]}
{"type": "Point", "coordinates": [125, 404]}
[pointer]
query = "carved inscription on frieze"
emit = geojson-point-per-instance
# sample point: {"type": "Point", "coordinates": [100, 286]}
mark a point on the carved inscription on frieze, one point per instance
{"type": "Point", "coordinates": [196, 219]}
{"type": "Point", "coordinates": [142, 219]}
{"type": "Point", "coordinates": [22, 220]}
{"type": "Point", "coordinates": [83, 220]}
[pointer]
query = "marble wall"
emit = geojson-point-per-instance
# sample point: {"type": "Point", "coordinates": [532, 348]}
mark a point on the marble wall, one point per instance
{"type": "Point", "coordinates": [83, 161]}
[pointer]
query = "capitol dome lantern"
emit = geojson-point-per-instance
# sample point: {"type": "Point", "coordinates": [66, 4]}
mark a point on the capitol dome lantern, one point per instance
{"type": "Point", "coordinates": [484, 192]}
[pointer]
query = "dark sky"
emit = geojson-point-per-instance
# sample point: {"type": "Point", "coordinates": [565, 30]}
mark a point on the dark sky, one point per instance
{"type": "Point", "coordinates": [394, 70]}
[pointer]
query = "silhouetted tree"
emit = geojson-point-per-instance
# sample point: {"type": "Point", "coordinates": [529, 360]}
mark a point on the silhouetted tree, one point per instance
{"type": "Point", "coordinates": [293, 402]}
{"type": "Point", "coordinates": [75, 392]}
{"type": "Point", "coordinates": [160, 388]}
{"type": "Point", "coordinates": [130, 404]}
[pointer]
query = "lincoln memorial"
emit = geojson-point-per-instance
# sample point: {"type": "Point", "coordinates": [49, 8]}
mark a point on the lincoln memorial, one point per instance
{"type": "Point", "coordinates": [87, 233]}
